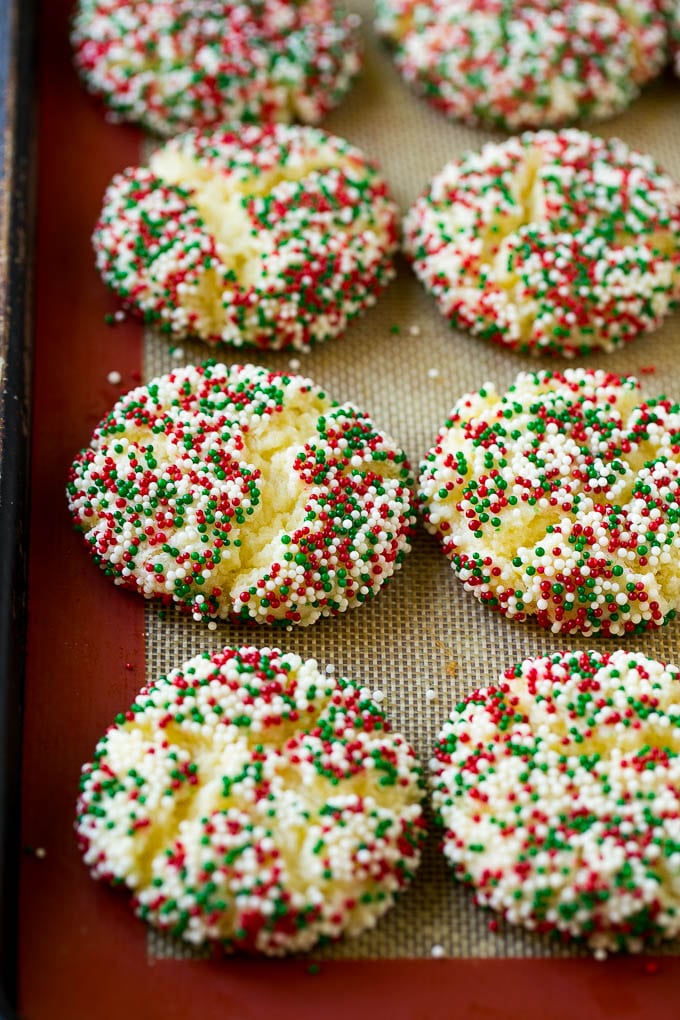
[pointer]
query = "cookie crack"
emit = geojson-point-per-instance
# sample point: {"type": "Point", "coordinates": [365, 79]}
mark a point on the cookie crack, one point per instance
{"type": "Point", "coordinates": [270, 453]}
{"type": "Point", "coordinates": [222, 203]}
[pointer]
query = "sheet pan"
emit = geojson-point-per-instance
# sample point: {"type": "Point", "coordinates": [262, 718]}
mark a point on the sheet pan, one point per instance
{"type": "Point", "coordinates": [81, 953]}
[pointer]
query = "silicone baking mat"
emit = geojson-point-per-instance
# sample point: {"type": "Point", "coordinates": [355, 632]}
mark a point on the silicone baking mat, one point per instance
{"type": "Point", "coordinates": [423, 641]}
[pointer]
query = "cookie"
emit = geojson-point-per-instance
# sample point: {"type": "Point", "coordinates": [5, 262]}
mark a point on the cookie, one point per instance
{"type": "Point", "coordinates": [531, 64]}
{"type": "Point", "coordinates": [174, 64]}
{"type": "Point", "coordinates": [238, 492]}
{"type": "Point", "coordinates": [249, 800]}
{"type": "Point", "coordinates": [270, 236]}
{"type": "Point", "coordinates": [550, 243]}
{"type": "Point", "coordinates": [559, 501]}
{"type": "Point", "coordinates": [558, 790]}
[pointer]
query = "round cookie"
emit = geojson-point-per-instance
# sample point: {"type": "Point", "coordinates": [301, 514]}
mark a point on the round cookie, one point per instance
{"type": "Point", "coordinates": [559, 501]}
{"type": "Point", "coordinates": [249, 800]}
{"type": "Point", "coordinates": [533, 63]}
{"type": "Point", "coordinates": [271, 236]}
{"type": "Point", "coordinates": [238, 492]}
{"type": "Point", "coordinates": [175, 64]}
{"type": "Point", "coordinates": [559, 792]}
{"type": "Point", "coordinates": [551, 242]}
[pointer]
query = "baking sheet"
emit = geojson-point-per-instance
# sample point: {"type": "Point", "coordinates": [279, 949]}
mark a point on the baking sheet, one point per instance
{"type": "Point", "coordinates": [91, 646]}
{"type": "Point", "coordinates": [424, 641]}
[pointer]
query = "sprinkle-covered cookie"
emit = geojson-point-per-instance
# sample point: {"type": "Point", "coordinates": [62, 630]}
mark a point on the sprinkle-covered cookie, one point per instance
{"type": "Point", "coordinates": [525, 64]}
{"type": "Point", "coordinates": [553, 242]}
{"type": "Point", "coordinates": [238, 492]}
{"type": "Point", "coordinates": [271, 236]}
{"type": "Point", "coordinates": [249, 800]}
{"type": "Point", "coordinates": [174, 64]}
{"type": "Point", "coordinates": [559, 793]}
{"type": "Point", "coordinates": [559, 501]}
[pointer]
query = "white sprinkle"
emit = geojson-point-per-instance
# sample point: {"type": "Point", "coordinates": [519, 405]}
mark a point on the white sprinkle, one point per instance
{"type": "Point", "coordinates": [366, 847]}
{"type": "Point", "coordinates": [437, 951]}
{"type": "Point", "coordinates": [114, 378]}
{"type": "Point", "coordinates": [433, 373]}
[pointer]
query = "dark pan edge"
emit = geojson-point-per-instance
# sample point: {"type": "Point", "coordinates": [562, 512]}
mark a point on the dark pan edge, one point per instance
{"type": "Point", "coordinates": [16, 237]}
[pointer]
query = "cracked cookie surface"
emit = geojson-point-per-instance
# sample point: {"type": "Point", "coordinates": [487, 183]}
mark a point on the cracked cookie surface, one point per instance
{"type": "Point", "coordinates": [557, 788]}
{"type": "Point", "coordinates": [238, 492]}
{"type": "Point", "coordinates": [528, 64]}
{"type": "Point", "coordinates": [249, 800]}
{"type": "Point", "coordinates": [559, 501]}
{"type": "Point", "coordinates": [550, 242]}
{"type": "Point", "coordinates": [174, 64]}
{"type": "Point", "coordinates": [272, 236]}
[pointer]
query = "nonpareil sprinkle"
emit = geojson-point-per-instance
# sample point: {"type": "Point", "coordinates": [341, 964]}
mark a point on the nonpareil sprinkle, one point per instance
{"type": "Point", "coordinates": [562, 818]}
{"type": "Point", "coordinates": [272, 236]}
{"type": "Point", "coordinates": [250, 801]}
{"type": "Point", "coordinates": [174, 64]}
{"type": "Point", "coordinates": [550, 243]}
{"type": "Point", "coordinates": [534, 63]}
{"type": "Point", "coordinates": [559, 501]}
{"type": "Point", "coordinates": [238, 492]}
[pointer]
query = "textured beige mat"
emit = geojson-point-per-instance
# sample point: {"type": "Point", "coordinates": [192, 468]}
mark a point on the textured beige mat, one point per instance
{"type": "Point", "coordinates": [423, 641]}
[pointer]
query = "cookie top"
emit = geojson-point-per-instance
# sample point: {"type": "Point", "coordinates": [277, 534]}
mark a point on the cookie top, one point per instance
{"type": "Point", "coordinates": [270, 236]}
{"type": "Point", "coordinates": [551, 242]}
{"type": "Point", "coordinates": [533, 63]}
{"type": "Point", "coordinates": [559, 501]}
{"type": "Point", "coordinates": [175, 64]}
{"type": "Point", "coordinates": [250, 800]}
{"type": "Point", "coordinates": [558, 789]}
{"type": "Point", "coordinates": [238, 492]}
